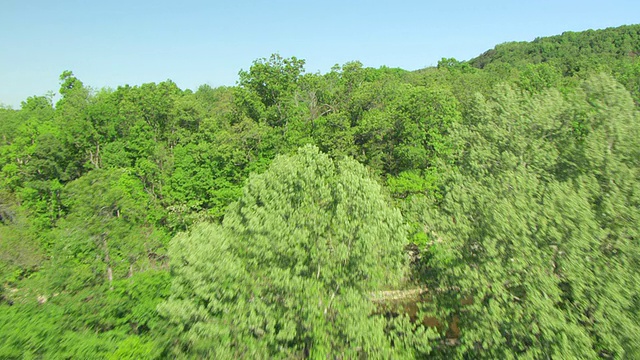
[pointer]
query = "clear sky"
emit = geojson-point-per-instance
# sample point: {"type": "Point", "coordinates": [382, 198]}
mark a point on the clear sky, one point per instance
{"type": "Point", "coordinates": [112, 42]}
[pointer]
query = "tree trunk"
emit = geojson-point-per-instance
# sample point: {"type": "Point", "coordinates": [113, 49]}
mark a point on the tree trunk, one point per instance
{"type": "Point", "coordinates": [107, 261]}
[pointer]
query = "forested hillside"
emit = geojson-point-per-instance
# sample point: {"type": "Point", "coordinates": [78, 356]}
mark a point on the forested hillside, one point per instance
{"type": "Point", "coordinates": [478, 209]}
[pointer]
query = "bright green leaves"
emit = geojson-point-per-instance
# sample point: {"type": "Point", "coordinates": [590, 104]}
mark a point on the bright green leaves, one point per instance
{"type": "Point", "coordinates": [539, 77]}
{"type": "Point", "coordinates": [424, 117]}
{"type": "Point", "coordinates": [517, 178]}
{"type": "Point", "coordinates": [538, 223]}
{"type": "Point", "coordinates": [92, 323]}
{"type": "Point", "coordinates": [409, 134]}
{"type": "Point", "coordinates": [291, 267]}
{"type": "Point", "coordinates": [107, 231]}
{"type": "Point", "coordinates": [20, 253]}
{"type": "Point", "coordinates": [309, 199]}
{"type": "Point", "coordinates": [271, 78]}
{"type": "Point", "coordinates": [270, 84]}
{"type": "Point", "coordinates": [503, 260]}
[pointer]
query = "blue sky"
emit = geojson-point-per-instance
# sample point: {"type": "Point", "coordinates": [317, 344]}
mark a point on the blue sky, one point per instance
{"type": "Point", "coordinates": [112, 43]}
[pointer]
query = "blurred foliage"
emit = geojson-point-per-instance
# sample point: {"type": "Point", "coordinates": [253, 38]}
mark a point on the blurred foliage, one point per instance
{"type": "Point", "coordinates": [511, 181]}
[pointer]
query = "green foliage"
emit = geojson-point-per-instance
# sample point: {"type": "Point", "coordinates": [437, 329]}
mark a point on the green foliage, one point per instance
{"type": "Point", "coordinates": [539, 77]}
{"type": "Point", "coordinates": [570, 48]}
{"type": "Point", "coordinates": [106, 233]}
{"type": "Point", "coordinates": [517, 174]}
{"type": "Point", "coordinates": [290, 270]}
{"type": "Point", "coordinates": [29, 331]}
{"type": "Point", "coordinates": [134, 347]}
{"type": "Point", "coordinates": [269, 84]}
{"type": "Point", "coordinates": [570, 55]}
{"type": "Point", "coordinates": [524, 231]}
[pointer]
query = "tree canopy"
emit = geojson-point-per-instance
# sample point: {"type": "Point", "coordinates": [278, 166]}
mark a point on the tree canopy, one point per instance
{"type": "Point", "coordinates": [290, 270]}
{"type": "Point", "coordinates": [487, 208]}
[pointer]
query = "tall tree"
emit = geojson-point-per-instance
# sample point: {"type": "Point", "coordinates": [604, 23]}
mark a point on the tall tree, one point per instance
{"type": "Point", "coordinates": [533, 244]}
{"type": "Point", "coordinates": [270, 85]}
{"type": "Point", "coordinates": [290, 270]}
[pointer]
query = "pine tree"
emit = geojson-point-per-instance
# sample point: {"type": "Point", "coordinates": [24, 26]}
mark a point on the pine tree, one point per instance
{"type": "Point", "coordinates": [290, 270]}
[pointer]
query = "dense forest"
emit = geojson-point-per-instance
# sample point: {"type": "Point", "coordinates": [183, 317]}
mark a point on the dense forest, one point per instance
{"type": "Point", "coordinates": [481, 209]}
